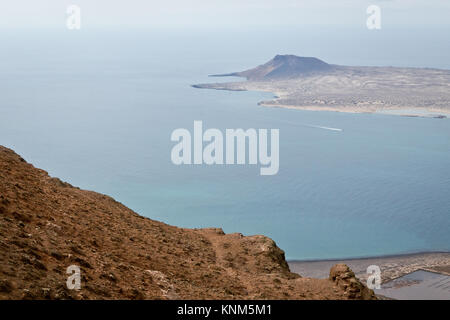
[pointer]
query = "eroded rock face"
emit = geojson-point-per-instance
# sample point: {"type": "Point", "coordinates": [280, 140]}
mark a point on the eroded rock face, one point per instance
{"type": "Point", "coordinates": [345, 279]}
{"type": "Point", "coordinates": [47, 225]}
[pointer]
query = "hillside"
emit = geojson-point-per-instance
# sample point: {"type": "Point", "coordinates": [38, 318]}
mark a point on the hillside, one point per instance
{"type": "Point", "coordinates": [46, 225]}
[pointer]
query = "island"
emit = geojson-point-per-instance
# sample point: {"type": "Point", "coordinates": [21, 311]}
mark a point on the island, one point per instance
{"type": "Point", "coordinates": [309, 83]}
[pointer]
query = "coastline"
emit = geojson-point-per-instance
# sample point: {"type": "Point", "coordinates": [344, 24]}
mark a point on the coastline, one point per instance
{"type": "Point", "coordinates": [397, 111]}
{"type": "Point", "coordinates": [392, 266]}
{"type": "Point", "coordinates": [404, 111]}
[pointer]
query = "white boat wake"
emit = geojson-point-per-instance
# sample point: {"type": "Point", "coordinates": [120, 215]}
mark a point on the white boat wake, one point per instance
{"type": "Point", "coordinates": [308, 125]}
{"type": "Point", "coordinates": [325, 128]}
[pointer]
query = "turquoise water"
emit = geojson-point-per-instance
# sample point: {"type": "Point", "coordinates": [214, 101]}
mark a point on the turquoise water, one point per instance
{"type": "Point", "coordinates": [97, 109]}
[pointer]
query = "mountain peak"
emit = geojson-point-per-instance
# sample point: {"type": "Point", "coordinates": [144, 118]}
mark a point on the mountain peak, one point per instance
{"type": "Point", "coordinates": [286, 66]}
{"type": "Point", "coordinates": [294, 58]}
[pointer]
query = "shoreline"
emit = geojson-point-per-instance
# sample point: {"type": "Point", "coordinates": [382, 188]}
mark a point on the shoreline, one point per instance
{"type": "Point", "coordinates": [394, 111]}
{"type": "Point", "coordinates": [395, 255]}
{"type": "Point", "coordinates": [413, 112]}
{"type": "Point", "coordinates": [392, 266]}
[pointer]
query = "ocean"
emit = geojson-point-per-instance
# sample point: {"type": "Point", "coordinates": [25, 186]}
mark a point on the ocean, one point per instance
{"type": "Point", "coordinates": [96, 108]}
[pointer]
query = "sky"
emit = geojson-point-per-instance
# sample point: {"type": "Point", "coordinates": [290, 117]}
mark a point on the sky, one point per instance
{"type": "Point", "coordinates": [220, 13]}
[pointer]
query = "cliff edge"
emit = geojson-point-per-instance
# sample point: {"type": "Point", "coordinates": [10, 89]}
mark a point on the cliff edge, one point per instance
{"type": "Point", "coordinates": [47, 225]}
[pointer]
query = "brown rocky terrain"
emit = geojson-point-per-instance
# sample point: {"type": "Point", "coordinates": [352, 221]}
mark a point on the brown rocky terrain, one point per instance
{"type": "Point", "coordinates": [46, 225]}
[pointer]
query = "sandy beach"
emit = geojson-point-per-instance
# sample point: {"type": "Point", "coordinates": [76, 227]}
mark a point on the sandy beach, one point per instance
{"type": "Point", "coordinates": [405, 111]}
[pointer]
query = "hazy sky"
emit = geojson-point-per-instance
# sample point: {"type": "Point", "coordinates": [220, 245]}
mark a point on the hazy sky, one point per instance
{"type": "Point", "coordinates": [221, 13]}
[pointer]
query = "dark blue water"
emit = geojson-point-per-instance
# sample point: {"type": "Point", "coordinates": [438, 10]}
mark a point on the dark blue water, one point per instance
{"type": "Point", "coordinates": [97, 109]}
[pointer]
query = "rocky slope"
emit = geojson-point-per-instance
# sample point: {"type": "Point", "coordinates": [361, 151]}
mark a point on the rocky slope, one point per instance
{"type": "Point", "coordinates": [46, 225]}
